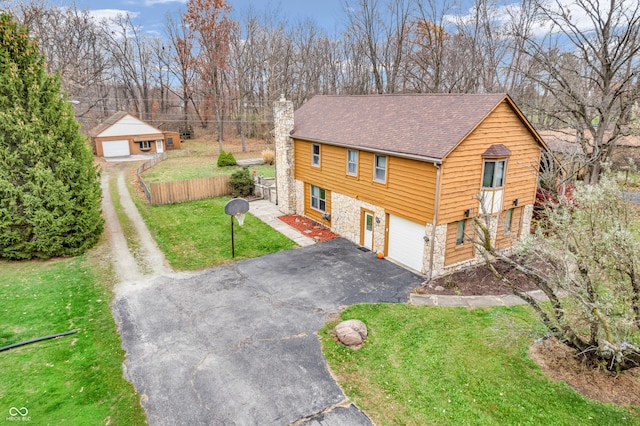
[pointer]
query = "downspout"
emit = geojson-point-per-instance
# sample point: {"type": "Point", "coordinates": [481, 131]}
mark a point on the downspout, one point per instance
{"type": "Point", "coordinates": [435, 219]}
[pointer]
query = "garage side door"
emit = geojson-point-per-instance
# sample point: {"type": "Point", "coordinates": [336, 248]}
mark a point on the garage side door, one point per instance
{"type": "Point", "coordinates": [115, 148]}
{"type": "Point", "coordinates": [406, 242]}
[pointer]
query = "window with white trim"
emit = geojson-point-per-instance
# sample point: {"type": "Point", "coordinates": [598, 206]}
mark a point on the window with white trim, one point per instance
{"type": "Point", "coordinates": [493, 175]}
{"type": "Point", "coordinates": [460, 234]}
{"type": "Point", "coordinates": [352, 162]}
{"type": "Point", "coordinates": [315, 155]}
{"type": "Point", "coordinates": [145, 145]}
{"type": "Point", "coordinates": [318, 198]}
{"type": "Point", "coordinates": [380, 168]}
{"type": "Point", "coordinates": [508, 219]}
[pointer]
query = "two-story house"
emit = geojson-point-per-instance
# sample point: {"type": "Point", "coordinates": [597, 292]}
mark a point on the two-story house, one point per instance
{"type": "Point", "coordinates": [406, 174]}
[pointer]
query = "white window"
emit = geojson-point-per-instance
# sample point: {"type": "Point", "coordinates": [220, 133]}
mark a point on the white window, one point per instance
{"type": "Point", "coordinates": [460, 234]}
{"type": "Point", "coordinates": [145, 145]}
{"type": "Point", "coordinates": [494, 173]}
{"type": "Point", "coordinates": [508, 220]}
{"type": "Point", "coordinates": [318, 198]}
{"type": "Point", "coordinates": [352, 162]}
{"type": "Point", "coordinates": [380, 168]}
{"type": "Point", "coordinates": [315, 156]}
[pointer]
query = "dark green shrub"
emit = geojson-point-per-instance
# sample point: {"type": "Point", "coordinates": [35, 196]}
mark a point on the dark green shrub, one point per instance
{"type": "Point", "coordinates": [226, 159]}
{"type": "Point", "coordinates": [49, 188]}
{"type": "Point", "coordinates": [242, 183]}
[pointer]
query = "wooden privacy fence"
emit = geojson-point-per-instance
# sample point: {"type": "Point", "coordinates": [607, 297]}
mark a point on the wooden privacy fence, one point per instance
{"type": "Point", "coordinates": [188, 190]}
{"type": "Point", "coordinates": [182, 190]}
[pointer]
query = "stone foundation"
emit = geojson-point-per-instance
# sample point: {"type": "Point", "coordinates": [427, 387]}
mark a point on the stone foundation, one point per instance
{"type": "Point", "coordinates": [346, 216]}
{"type": "Point", "coordinates": [439, 245]}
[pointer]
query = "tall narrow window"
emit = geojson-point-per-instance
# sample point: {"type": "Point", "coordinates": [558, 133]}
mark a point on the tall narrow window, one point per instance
{"type": "Point", "coordinates": [380, 171]}
{"type": "Point", "coordinates": [460, 233]}
{"type": "Point", "coordinates": [508, 219]}
{"type": "Point", "coordinates": [315, 157]}
{"type": "Point", "coordinates": [494, 173]}
{"type": "Point", "coordinates": [318, 198]}
{"type": "Point", "coordinates": [352, 162]}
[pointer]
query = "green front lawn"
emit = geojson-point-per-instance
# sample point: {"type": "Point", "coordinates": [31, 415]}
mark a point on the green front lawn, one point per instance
{"type": "Point", "coordinates": [198, 159]}
{"type": "Point", "coordinates": [76, 379]}
{"type": "Point", "coordinates": [197, 234]}
{"type": "Point", "coordinates": [455, 366]}
{"type": "Point", "coordinates": [169, 170]}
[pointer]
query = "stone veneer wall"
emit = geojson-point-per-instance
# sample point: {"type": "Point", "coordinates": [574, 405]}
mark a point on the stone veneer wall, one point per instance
{"type": "Point", "coordinates": [527, 216]}
{"type": "Point", "coordinates": [346, 217]}
{"type": "Point", "coordinates": [285, 181]}
{"type": "Point", "coordinates": [299, 196]}
{"type": "Point", "coordinates": [438, 249]}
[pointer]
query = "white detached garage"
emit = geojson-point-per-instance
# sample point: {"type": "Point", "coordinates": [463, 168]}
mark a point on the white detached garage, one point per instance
{"type": "Point", "coordinates": [123, 134]}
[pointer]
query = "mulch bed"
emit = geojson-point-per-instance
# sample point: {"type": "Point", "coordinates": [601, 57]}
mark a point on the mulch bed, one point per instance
{"type": "Point", "coordinates": [475, 281]}
{"type": "Point", "coordinates": [308, 227]}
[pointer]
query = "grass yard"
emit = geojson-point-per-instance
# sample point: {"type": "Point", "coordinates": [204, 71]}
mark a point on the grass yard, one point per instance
{"type": "Point", "coordinates": [76, 379]}
{"type": "Point", "coordinates": [455, 366]}
{"type": "Point", "coordinates": [197, 234]}
{"type": "Point", "coordinates": [198, 159]}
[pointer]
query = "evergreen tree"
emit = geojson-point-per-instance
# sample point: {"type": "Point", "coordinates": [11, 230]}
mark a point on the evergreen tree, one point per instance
{"type": "Point", "coordinates": [49, 189]}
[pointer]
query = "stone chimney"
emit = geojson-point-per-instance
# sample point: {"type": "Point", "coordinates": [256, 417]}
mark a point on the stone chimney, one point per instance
{"type": "Point", "coordinates": [285, 181]}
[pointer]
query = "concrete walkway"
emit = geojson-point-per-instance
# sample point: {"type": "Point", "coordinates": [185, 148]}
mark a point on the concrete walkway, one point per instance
{"type": "Point", "coordinates": [473, 301]}
{"type": "Point", "coordinates": [268, 212]}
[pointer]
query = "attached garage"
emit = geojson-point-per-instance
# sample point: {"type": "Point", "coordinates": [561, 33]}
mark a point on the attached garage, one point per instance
{"type": "Point", "coordinates": [406, 242]}
{"type": "Point", "coordinates": [119, 148]}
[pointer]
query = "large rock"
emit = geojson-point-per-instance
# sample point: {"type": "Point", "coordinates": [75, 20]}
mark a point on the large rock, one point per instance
{"type": "Point", "coordinates": [351, 333]}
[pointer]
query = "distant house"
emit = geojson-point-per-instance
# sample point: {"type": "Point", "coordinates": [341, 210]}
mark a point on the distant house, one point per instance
{"type": "Point", "coordinates": [123, 134]}
{"type": "Point", "coordinates": [406, 174]}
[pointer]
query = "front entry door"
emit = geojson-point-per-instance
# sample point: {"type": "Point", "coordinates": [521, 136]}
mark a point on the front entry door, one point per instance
{"type": "Point", "coordinates": [367, 230]}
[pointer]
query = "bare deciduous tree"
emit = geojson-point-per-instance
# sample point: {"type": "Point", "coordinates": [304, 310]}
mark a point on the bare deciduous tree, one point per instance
{"type": "Point", "coordinates": [586, 262]}
{"type": "Point", "coordinates": [210, 22]}
{"type": "Point", "coordinates": [588, 61]}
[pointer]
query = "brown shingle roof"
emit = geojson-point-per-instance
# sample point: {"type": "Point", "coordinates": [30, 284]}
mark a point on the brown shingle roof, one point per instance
{"type": "Point", "coordinates": [424, 125]}
{"type": "Point", "coordinates": [497, 150]}
{"type": "Point", "coordinates": [110, 121]}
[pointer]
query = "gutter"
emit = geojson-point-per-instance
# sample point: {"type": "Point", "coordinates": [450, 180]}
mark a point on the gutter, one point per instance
{"type": "Point", "coordinates": [435, 219]}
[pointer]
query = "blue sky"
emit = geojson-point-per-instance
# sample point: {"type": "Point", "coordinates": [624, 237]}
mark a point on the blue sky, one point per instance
{"type": "Point", "coordinates": [150, 14]}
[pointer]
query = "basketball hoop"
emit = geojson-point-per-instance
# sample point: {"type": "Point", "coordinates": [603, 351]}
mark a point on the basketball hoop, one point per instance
{"type": "Point", "coordinates": [240, 217]}
{"type": "Point", "coordinates": [236, 207]}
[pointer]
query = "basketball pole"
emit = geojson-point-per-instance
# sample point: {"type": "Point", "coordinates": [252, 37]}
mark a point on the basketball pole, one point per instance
{"type": "Point", "coordinates": [233, 247]}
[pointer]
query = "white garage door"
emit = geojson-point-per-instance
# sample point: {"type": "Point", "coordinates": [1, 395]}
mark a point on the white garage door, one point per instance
{"type": "Point", "coordinates": [115, 148]}
{"type": "Point", "coordinates": [406, 242]}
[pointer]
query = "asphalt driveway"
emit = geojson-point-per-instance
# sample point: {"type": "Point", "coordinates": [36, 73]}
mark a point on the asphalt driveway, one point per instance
{"type": "Point", "coordinates": [236, 345]}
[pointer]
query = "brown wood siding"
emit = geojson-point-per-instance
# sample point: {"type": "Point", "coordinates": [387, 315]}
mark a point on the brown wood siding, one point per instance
{"type": "Point", "coordinates": [176, 141]}
{"type": "Point", "coordinates": [409, 191]}
{"type": "Point", "coordinates": [134, 147]}
{"type": "Point", "coordinates": [461, 178]}
{"type": "Point", "coordinates": [504, 239]}
{"type": "Point", "coordinates": [457, 253]}
{"type": "Point", "coordinates": [310, 211]}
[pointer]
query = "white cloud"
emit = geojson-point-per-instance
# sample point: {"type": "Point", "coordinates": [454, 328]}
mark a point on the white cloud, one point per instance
{"type": "Point", "coordinates": [577, 16]}
{"type": "Point", "coordinates": [154, 2]}
{"type": "Point", "coordinates": [109, 14]}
